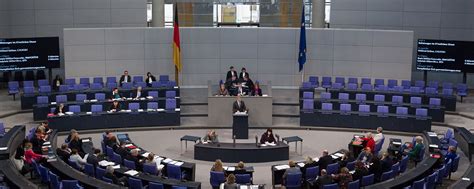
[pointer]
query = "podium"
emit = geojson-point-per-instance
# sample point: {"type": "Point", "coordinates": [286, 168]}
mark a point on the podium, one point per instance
{"type": "Point", "coordinates": [240, 126]}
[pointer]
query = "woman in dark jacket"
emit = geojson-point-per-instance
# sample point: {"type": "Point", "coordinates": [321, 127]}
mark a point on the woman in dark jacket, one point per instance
{"type": "Point", "coordinates": [376, 168]}
{"type": "Point", "coordinates": [360, 171]}
{"type": "Point", "coordinates": [267, 137]}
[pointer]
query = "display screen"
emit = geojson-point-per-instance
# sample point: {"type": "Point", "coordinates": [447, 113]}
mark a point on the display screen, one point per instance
{"type": "Point", "coordinates": [29, 53]}
{"type": "Point", "coordinates": [440, 55]}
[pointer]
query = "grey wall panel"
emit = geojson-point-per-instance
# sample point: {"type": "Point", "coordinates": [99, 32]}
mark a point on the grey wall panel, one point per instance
{"type": "Point", "coordinates": [419, 19]}
{"type": "Point", "coordinates": [456, 34]}
{"type": "Point", "coordinates": [457, 6]}
{"type": "Point", "coordinates": [53, 4]}
{"type": "Point", "coordinates": [128, 4]}
{"type": "Point", "coordinates": [422, 5]}
{"type": "Point", "coordinates": [455, 20]}
{"type": "Point", "coordinates": [4, 18]}
{"type": "Point", "coordinates": [22, 31]}
{"type": "Point", "coordinates": [240, 35]}
{"type": "Point", "coordinates": [349, 4]}
{"type": "Point", "coordinates": [125, 16]}
{"type": "Point", "coordinates": [392, 54]}
{"type": "Point", "coordinates": [54, 16]}
{"type": "Point", "coordinates": [21, 17]}
{"type": "Point", "coordinates": [51, 31]}
{"type": "Point", "coordinates": [89, 68]}
{"type": "Point", "coordinates": [92, 4]}
{"type": "Point", "coordinates": [92, 16]}
{"type": "Point", "coordinates": [3, 5]}
{"type": "Point", "coordinates": [266, 58]}
{"type": "Point", "coordinates": [380, 18]}
{"type": "Point", "coordinates": [391, 71]}
{"type": "Point", "coordinates": [349, 17]}
{"type": "Point", "coordinates": [21, 4]}
{"type": "Point", "coordinates": [384, 5]}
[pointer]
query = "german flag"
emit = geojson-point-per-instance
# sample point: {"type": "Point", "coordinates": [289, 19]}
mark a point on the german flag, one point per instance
{"type": "Point", "coordinates": [176, 42]}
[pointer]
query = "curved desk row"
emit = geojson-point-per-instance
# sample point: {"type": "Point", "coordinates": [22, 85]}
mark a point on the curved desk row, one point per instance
{"type": "Point", "coordinates": [390, 122]}
{"type": "Point", "coordinates": [465, 183]}
{"type": "Point", "coordinates": [8, 144]}
{"type": "Point", "coordinates": [40, 111]}
{"type": "Point", "coordinates": [105, 120]}
{"type": "Point", "coordinates": [437, 114]}
{"type": "Point", "coordinates": [246, 152]}
{"type": "Point", "coordinates": [465, 141]}
{"type": "Point", "coordinates": [28, 100]}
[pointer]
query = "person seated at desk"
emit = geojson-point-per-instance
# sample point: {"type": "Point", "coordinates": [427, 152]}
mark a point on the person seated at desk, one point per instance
{"type": "Point", "coordinates": [246, 85]}
{"type": "Point", "coordinates": [109, 173]}
{"type": "Point", "coordinates": [323, 179]}
{"type": "Point", "coordinates": [94, 158]}
{"type": "Point", "coordinates": [76, 143]}
{"type": "Point", "coordinates": [211, 137]}
{"type": "Point", "coordinates": [267, 137]}
{"type": "Point", "coordinates": [376, 168]}
{"type": "Point", "coordinates": [359, 171]}
{"type": "Point", "coordinates": [343, 178]}
{"type": "Point", "coordinates": [110, 139]}
{"type": "Point", "coordinates": [64, 152]}
{"type": "Point", "coordinates": [37, 141]}
{"type": "Point", "coordinates": [76, 158]}
{"type": "Point", "coordinates": [451, 154]}
{"type": "Point", "coordinates": [415, 149]}
{"type": "Point", "coordinates": [122, 150]}
{"type": "Point", "coordinates": [45, 126]}
{"type": "Point", "coordinates": [222, 90]}
{"type": "Point", "coordinates": [135, 157]}
{"type": "Point", "coordinates": [379, 136]}
{"type": "Point", "coordinates": [31, 156]}
{"type": "Point", "coordinates": [346, 158]}
{"type": "Point", "coordinates": [240, 168]}
{"type": "Point", "coordinates": [232, 86]}
{"type": "Point", "coordinates": [125, 78]}
{"type": "Point", "coordinates": [138, 93]}
{"type": "Point", "coordinates": [369, 141]}
{"type": "Point", "coordinates": [256, 91]}
{"type": "Point", "coordinates": [57, 81]}
{"type": "Point", "coordinates": [365, 156]}
{"type": "Point", "coordinates": [59, 110]}
{"type": "Point", "coordinates": [149, 79]}
{"type": "Point", "coordinates": [292, 170]}
{"type": "Point", "coordinates": [386, 162]}
{"type": "Point", "coordinates": [239, 105]}
{"type": "Point", "coordinates": [229, 183]}
{"type": "Point", "coordinates": [42, 129]}
{"type": "Point", "coordinates": [218, 166]}
{"type": "Point", "coordinates": [231, 73]}
{"type": "Point", "coordinates": [71, 133]}
{"type": "Point", "coordinates": [115, 106]}
{"type": "Point", "coordinates": [325, 160]}
{"type": "Point", "coordinates": [308, 162]}
{"type": "Point", "coordinates": [116, 94]}
{"type": "Point", "coordinates": [243, 73]}
{"type": "Point", "coordinates": [150, 159]}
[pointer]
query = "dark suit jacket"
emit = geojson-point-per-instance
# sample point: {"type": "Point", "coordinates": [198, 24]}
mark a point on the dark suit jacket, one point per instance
{"type": "Point", "coordinates": [63, 154]}
{"type": "Point", "coordinates": [37, 144]}
{"type": "Point", "coordinates": [122, 151]}
{"type": "Point", "coordinates": [324, 161]}
{"type": "Point", "coordinates": [257, 92]}
{"type": "Point", "coordinates": [241, 76]}
{"type": "Point", "coordinates": [92, 159]}
{"type": "Point", "coordinates": [136, 160]}
{"type": "Point", "coordinates": [112, 177]}
{"type": "Point", "coordinates": [122, 79]}
{"type": "Point", "coordinates": [323, 180]}
{"type": "Point", "coordinates": [153, 78]}
{"type": "Point", "coordinates": [236, 107]}
{"type": "Point", "coordinates": [266, 138]}
{"type": "Point", "coordinates": [117, 108]}
{"type": "Point", "coordinates": [229, 75]}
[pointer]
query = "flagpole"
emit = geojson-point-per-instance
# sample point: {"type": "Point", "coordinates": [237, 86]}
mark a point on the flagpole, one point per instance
{"type": "Point", "coordinates": [176, 75]}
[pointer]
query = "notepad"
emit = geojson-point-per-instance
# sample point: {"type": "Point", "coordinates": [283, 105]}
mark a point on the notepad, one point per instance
{"type": "Point", "coordinates": [105, 163]}
{"type": "Point", "coordinates": [433, 146]}
{"type": "Point", "coordinates": [146, 154]}
{"type": "Point", "coordinates": [397, 143]}
{"type": "Point", "coordinates": [53, 103]}
{"type": "Point", "coordinates": [466, 179]}
{"type": "Point", "coordinates": [179, 163]}
{"type": "Point", "coordinates": [131, 172]}
{"type": "Point", "coordinates": [177, 109]}
{"type": "Point", "coordinates": [94, 100]}
{"type": "Point", "coordinates": [338, 154]}
{"type": "Point", "coordinates": [88, 113]}
{"type": "Point", "coordinates": [334, 156]}
{"type": "Point", "coordinates": [46, 143]}
{"type": "Point", "coordinates": [161, 109]}
{"type": "Point", "coordinates": [230, 169]}
{"type": "Point", "coordinates": [116, 167]}
{"type": "Point", "coordinates": [281, 167]}
{"type": "Point", "coordinates": [86, 140]}
{"type": "Point", "coordinates": [301, 164]}
{"type": "Point", "coordinates": [167, 160]}
{"type": "Point", "coordinates": [432, 134]}
{"type": "Point", "coordinates": [69, 113]}
{"type": "Point", "coordinates": [3, 148]}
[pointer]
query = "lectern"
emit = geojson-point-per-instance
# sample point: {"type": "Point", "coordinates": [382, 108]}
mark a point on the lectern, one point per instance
{"type": "Point", "coordinates": [240, 126]}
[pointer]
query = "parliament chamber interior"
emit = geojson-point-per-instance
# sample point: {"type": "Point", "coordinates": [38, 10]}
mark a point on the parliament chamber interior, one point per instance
{"type": "Point", "coordinates": [236, 94]}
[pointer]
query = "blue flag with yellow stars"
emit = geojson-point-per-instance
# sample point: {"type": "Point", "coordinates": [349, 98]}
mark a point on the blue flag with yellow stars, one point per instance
{"type": "Point", "coordinates": [302, 52]}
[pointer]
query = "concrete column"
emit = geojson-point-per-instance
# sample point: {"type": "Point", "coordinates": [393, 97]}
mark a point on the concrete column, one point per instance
{"type": "Point", "coordinates": [319, 13]}
{"type": "Point", "coordinates": [158, 13]}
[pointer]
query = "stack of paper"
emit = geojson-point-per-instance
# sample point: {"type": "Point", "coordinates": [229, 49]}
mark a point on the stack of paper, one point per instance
{"type": "Point", "coordinates": [281, 167]}
{"type": "Point", "coordinates": [338, 154]}
{"type": "Point", "coordinates": [301, 164]}
{"type": "Point", "coordinates": [334, 156]}
{"type": "Point", "coordinates": [105, 163]}
{"type": "Point", "coordinates": [116, 167]}
{"type": "Point", "coordinates": [397, 143]}
{"type": "Point", "coordinates": [433, 146]}
{"type": "Point", "coordinates": [432, 134]}
{"type": "Point", "coordinates": [230, 169]}
{"type": "Point", "coordinates": [146, 154]}
{"type": "Point", "coordinates": [167, 160]}
{"type": "Point", "coordinates": [131, 172]}
{"type": "Point", "coordinates": [179, 163]}
{"type": "Point", "coordinates": [270, 144]}
{"type": "Point", "coordinates": [46, 143]}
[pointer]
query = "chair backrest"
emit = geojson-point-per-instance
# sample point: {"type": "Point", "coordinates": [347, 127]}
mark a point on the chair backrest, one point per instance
{"type": "Point", "coordinates": [386, 175]}
{"type": "Point", "coordinates": [396, 168]}
{"type": "Point", "coordinates": [433, 84]}
{"type": "Point", "coordinates": [326, 81]}
{"type": "Point", "coordinates": [403, 164]}
{"type": "Point", "coordinates": [99, 96]}
{"type": "Point", "coordinates": [137, 79]}
{"type": "Point", "coordinates": [447, 92]}
{"type": "Point", "coordinates": [174, 171]}
{"type": "Point", "coordinates": [150, 168]}
{"type": "Point", "coordinates": [354, 184]}
{"type": "Point", "coordinates": [42, 99]}
{"type": "Point", "coordinates": [96, 108]}
{"type": "Point", "coordinates": [419, 184]}
{"type": "Point", "coordinates": [340, 80]}
{"type": "Point", "coordinates": [352, 86]}
{"type": "Point", "coordinates": [293, 180]}
{"type": "Point", "coordinates": [331, 186]}
{"type": "Point", "coordinates": [134, 106]}
{"type": "Point", "coordinates": [382, 109]}
{"type": "Point", "coordinates": [379, 98]}
{"type": "Point", "coordinates": [152, 105]}
{"type": "Point", "coordinates": [107, 180]}
{"type": "Point", "coordinates": [78, 87]}
{"type": "Point", "coordinates": [345, 107]}
{"type": "Point", "coordinates": [71, 82]}
{"type": "Point", "coordinates": [153, 94]}
{"type": "Point", "coordinates": [366, 87]}
{"type": "Point", "coordinates": [28, 84]}
{"type": "Point", "coordinates": [431, 90]}
{"type": "Point", "coordinates": [406, 84]}
{"type": "Point", "coordinates": [455, 165]}
{"type": "Point", "coordinates": [2, 129]}
{"type": "Point", "coordinates": [351, 165]}
{"type": "Point", "coordinates": [63, 88]}
{"type": "Point", "coordinates": [402, 110]}
{"type": "Point", "coordinates": [431, 180]}
{"type": "Point", "coordinates": [70, 183]}
{"type": "Point", "coordinates": [164, 78]}
{"type": "Point", "coordinates": [73, 164]}
{"type": "Point", "coordinates": [13, 85]}
{"type": "Point", "coordinates": [306, 85]}
{"type": "Point", "coordinates": [61, 98]}
{"type": "Point", "coordinates": [366, 81]}
{"type": "Point", "coordinates": [127, 85]}
{"type": "Point", "coordinates": [415, 100]}
{"type": "Point", "coordinates": [422, 112]}
{"type": "Point", "coordinates": [54, 182]}
{"type": "Point", "coordinates": [435, 102]}
{"type": "Point", "coordinates": [379, 82]}
{"type": "Point", "coordinates": [343, 96]}
{"type": "Point", "coordinates": [308, 104]}
{"type": "Point", "coordinates": [170, 104]}
{"type": "Point", "coordinates": [155, 84]}
{"type": "Point", "coordinates": [332, 168]}
{"type": "Point", "coordinates": [313, 79]}
{"type": "Point", "coordinates": [325, 95]}
{"type": "Point", "coordinates": [397, 99]}
{"type": "Point", "coordinates": [449, 134]}
{"type": "Point", "coordinates": [75, 108]}
{"type": "Point", "coordinates": [134, 183]}
{"type": "Point", "coordinates": [420, 84]}
{"type": "Point", "coordinates": [43, 171]}
{"type": "Point", "coordinates": [84, 81]}
{"type": "Point", "coordinates": [111, 80]}
{"type": "Point", "coordinates": [353, 80]}
{"type": "Point", "coordinates": [326, 106]}
{"type": "Point", "coordinates": [117, 158]}
{"type": "Point", "coordinates": [99, 80]}
{"type": "Point", "coordinates": [448, 168]}
{"type": "Point", "coordinates": [308, 95]}
{"type": "Point", "coordinates": [43, 82]}
{"type": "Point", "coordinates": [447, 85]}
{"type": "Point", "coordinates": [391, 83]}
{"type": "Point", "coordinates": [243, 179]}
{"type": "Point", "coordinates": [111, 85]}
{"type": "Point", "coordinates": [155, 185]}
{"type": "Point", "coordinates": [367, 180]}
{"type": "Point", "coordinates": [170, 94]}
{"type": "Point", "coordinates": [99, 172]}
{"type": "Point", "coordinates": [336, 86]}
{"type": "Point", "coordinates": [96, 86]}
{"type": "Point", "coordinates": [364, 108]}
{"type": "Point", "coordinates": [441, 172]}
{"type": "Point", "coordinates": [129, 164]}
{"type": "Point", "coordinates": [81, 97]}
{"type": "Point", "coordinates": [311, 173]}
{"type": "Point", "coordinates": [361, 97]}
{"type": "Point", "coordinates": [89, 169]}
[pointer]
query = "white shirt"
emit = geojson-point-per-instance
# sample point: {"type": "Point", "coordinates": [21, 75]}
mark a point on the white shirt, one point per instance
{"type": "Point", "coordinates": [125, 79]}
{"type": "Point", "coordinates": [378, 137]}
{"type": "Point", "coordinates": [79, 161]}
{"type": "Point", "coordinates": [139, 94]}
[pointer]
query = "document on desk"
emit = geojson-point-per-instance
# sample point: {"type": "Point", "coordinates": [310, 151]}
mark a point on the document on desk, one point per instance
{"type": "Point", "coordinates": [282, 167]}
{"type": "Point", "coordinates": [432, 134]}
{"type": "Point", "coordinates": [301, 164]}
{"type": "Point", "coordinates": [270, 144]}
{"type": "Point", "coordinates": [105, 163]}
{"type": "Point", "coordinates": [230, 169]}
{"type": "Point", "coordinates": [116, 167]}
{"type": "Point", "coordinates": [338, 154]}
{"type": "Point", "coordinates": [179, 163]}
{"type": "Point", "coordinates": [131, 172]}
{"type": "Point", "coordinates": [146, 154]}
{"type": "Point", "coordinates": [334, 156]}
{"type": "Point", "coordinates": [397, 143]}
{"type": "Point", "coordinates": [167, 160]}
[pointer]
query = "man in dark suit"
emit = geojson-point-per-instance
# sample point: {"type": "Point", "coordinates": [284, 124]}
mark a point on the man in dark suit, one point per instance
{"type": "Point", "coordinates": [64, 152]}
{"type": "Point", "coordinates": [125, 78]}
{"type": "Point", "coordinates": [231, 73]}
{"type": "Point", "coordinates": [239, 105]}
{"type": "Point", "coordinates": [94, 158]}
{"type": "Point", "coordinates": [122, 150]}
{"type": "Point", "coordinates": [133, 156]}
{"type": "Point", "coordinates": [323, 179]}
{"type": "Point", "coordinates": [109, 173]}
{"type": "Point", "coordinates": [325, 160]}
{"type": "Point", "coordinates": [243, 73]}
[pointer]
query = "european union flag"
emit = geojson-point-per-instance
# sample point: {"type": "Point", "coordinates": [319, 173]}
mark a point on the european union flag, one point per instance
{"type": "Point", "coordinates": [302, 52]}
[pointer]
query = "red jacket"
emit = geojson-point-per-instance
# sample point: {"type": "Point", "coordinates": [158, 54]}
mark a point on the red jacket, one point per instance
{"type": "Point", "coordinates": [30, 156]}
{"type": "Point", "coordinates": [370, 143]}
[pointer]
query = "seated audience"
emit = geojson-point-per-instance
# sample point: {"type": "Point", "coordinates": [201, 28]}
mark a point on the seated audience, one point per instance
{"type": "Point", "coordinates": [218, 166]}
{"type": "Point", "coordinates": [243, 73]}
{"type": "Point", "coordinates": [360, 171]}
{"type": "Point", "coordinates": [323, 179]}
{"type": "Point", "coordinates": [232, 86]}
{"type": "Point", "coordinates": [230, 183]}
{"type": "Point", "coordinates": [115, 106]}
{"type": "Point", "coordinates": [122, 150]}
{"type": "Point", "coordinates": [325, 160]}
{"type": "Point", "coordinates": [64, 152]}
{"type": "Point", "coordinates": [365, 156]}
{"type": "Point", "coordinates": [267, 137]}
{"type": "Point", "coordinates": [256, 90]}
{"type": "Point", "coordinates": [386, 162]}
{"type": "Point", "coordinates": [109, 173]}
{"type": "Point", "coordinates": [376, 168]}
{"type": "Point", "coordinates": [125, 78]}
{"type": "Point", "coordinates": [292, 170]}
{"type": "Point", "coordinates": [149, 79]}
{"type": "Point", "coordinates": [59, 109]}
{"type": "Point", "coordinates": [45, 126]}
{"type": "Point", "coordinates": [20, 150]}
{"type": "Point", "coordinates": [116, 94]}
{"type": "Point", "coordinates": [30, 155]}
{"type": "Point", "coordinates": [57, 81]}
{"type": "Point", "coordinates": [71, 133]}
{"type": "Point", "coordinates": [76, 143]}
{"type": "Point", "coordinates": [150, 159]}
{"type": "Point", "coordinates": [76, 158]}
{"type": "Point", "coordinates": [231, 73]}
{"type": "Point", "coordinates": [379, 136]}
{"type": "Point", "coordinates": [346, 158]}
{"type": "Point", "coordinates": [138, 93]}
{"type": "Point", "coordinates": [240, 168]}
{"type": "Point", "coordinates": [308, 162]}
{"type": "Point", "coordinates": [369, 142]}
{"type": "Point", "coordinates": [95, 158]}
{"type": "Point", "coordinates": [415, 150]}
{"type": "Point", "coordinates": [247, 85]}
{"type": "Point", "coordinates": [222, 91]}
{"type": "Point", "coordinates": [211, 137]}
{"type": "Point", "coordinates": [135, 157]}
{"type": "Point", "coordinates": [37, 141]}
{"type": "Point", "coordinates": [451, 154]}
{"type": "Point", "coordinates": [343, 178]}
{"type": "Point", "coordinates": [110, 139]}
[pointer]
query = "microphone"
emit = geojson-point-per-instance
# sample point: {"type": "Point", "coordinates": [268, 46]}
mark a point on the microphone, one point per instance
{"type": "Point", "coordinates": [256, 140]}
{"type": "Point", "coordinates": [233, 137]}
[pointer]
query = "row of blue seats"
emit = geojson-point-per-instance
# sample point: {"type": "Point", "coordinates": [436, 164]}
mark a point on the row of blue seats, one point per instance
{"type": "Point", "coordinates": [170, 105]}
{"type": "Point", "coordinates": [437, 176]}
{"type": "Point", "coordinates": [97, 96]}
{"type": "Point", "coordinates": [52, 179]}
{"type": "Point", "coordinates": [361, 98]}
{"type": "Point", "coordinates": [402, 112]}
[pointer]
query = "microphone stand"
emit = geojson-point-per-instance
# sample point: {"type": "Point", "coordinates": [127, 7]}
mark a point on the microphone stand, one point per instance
{"type": "Point", "coordinates": [233, 137]}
